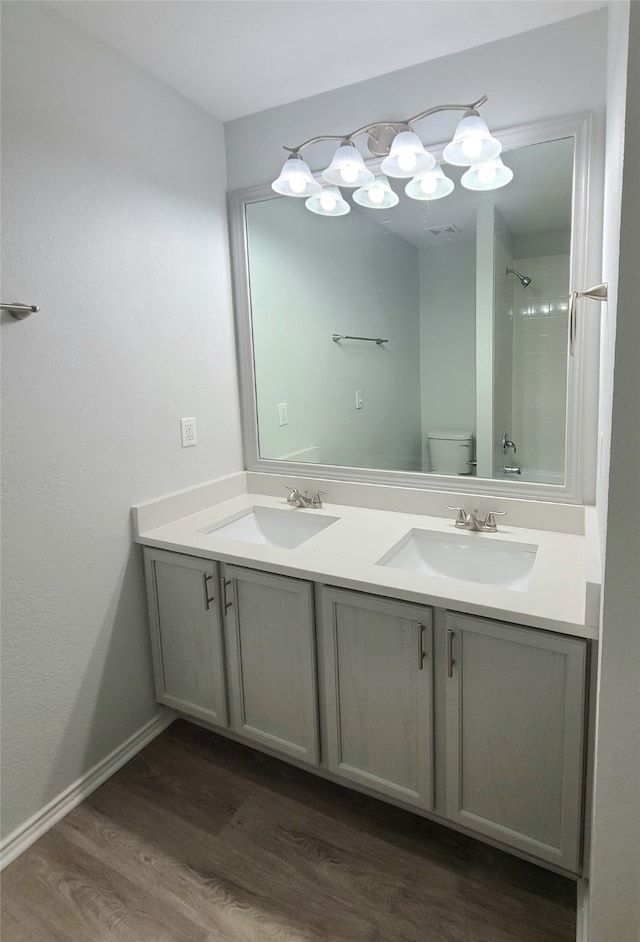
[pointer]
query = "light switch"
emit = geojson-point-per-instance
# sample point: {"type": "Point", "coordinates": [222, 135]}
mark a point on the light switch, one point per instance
{"type": "Point", "coordinates": [358, 399]}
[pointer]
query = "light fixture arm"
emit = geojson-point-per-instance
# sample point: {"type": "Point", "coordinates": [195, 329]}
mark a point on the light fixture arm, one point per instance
{"type": "Point", "coordinates": [425, 114]}
{"type": "Point", "coordinates": [396, 125]}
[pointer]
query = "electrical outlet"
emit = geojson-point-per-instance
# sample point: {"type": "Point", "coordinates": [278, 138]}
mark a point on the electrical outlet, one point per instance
{"type": "Point", "coordinates": [188, 433]}
{"type": "Point", "coordinates": [283, 415]}
{"type": "Point", "coordinates": [358, 399]}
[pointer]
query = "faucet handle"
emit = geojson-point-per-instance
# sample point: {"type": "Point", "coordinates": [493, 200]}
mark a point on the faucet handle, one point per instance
{"type": "Point", "coordinates": [489, 522]}
{"type": "Point", "coordinates": [461, 513]}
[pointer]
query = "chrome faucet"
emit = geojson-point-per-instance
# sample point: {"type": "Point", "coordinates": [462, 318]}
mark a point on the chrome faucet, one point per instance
{"type": "Point", "coordinates": [507, 444]}
{"type": "Point", "coordinates": [468, 520]}
{"type": "Point", "coordinates": [296, 499]}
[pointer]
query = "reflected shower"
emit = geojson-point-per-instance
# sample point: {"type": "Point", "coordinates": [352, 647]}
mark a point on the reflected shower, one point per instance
{"type": "Point", "coordinates": [525, 281]}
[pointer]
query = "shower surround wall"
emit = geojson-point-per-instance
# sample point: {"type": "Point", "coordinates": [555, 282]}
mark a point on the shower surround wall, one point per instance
{"type": "Point", "coordinates": [540, 366]}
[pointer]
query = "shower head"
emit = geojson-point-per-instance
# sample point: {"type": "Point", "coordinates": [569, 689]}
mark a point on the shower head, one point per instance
{"type": "Point", "coordinates": [524, 280]}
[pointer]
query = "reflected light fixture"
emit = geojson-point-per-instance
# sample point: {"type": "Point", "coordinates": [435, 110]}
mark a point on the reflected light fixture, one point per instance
{"type": "Point", "coordinates": [376, 195]}
{"type": "Point", "coordinates": [404, 157]}
{"type": "Point", "coordinates": [487, 176]}
{"type": "Point", "coordinates": [432, 185]}
{"type": "Point", "coordinates": [329, 202]}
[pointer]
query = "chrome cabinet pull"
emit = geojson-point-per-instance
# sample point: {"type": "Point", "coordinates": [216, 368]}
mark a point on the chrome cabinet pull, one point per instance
{"type": "Point", "coordinates": [450, 661]}
{"type": "Point", "coordinates": [207, 601]}
{"type": "Point", "coordinates": [421, 653]}
{"type": "Point", "coordinates": [227, 605]}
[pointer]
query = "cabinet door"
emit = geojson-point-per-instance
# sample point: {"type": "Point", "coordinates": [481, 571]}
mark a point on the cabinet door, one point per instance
{"type": "Point", "coordinates": [186, 636]}
{"type": "Point", "coordinates": [378, 685]}
{"type": "Point", "coordinates": [272, 661]}
{"type": "Point", "coordinates": [515, 718]}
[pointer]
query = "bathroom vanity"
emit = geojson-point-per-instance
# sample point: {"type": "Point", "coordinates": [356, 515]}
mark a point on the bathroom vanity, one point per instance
{"type": "Point", "coordinates": [334, 639]}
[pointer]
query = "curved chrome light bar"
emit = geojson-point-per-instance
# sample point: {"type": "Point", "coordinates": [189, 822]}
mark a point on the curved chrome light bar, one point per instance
{"type": "Point", "coordinates": [472, 146]}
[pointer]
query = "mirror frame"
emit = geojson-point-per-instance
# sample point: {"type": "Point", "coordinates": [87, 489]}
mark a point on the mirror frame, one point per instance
{"type": "Point", "coordinates": [580, 437]}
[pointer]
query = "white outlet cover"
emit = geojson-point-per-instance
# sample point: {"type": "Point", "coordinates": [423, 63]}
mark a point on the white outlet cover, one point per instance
{"type": "Point", "coordinates": [188, 433]}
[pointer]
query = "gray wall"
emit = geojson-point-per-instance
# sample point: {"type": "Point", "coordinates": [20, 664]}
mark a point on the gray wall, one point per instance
{"type": "Point", "coordinates": [447, 337]}
{"type": "Point", "coordinates": [114, 223]}
{"type": "Point", "coordinates": [613, 902]}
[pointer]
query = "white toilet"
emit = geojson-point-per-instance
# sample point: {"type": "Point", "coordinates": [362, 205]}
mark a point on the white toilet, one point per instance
{"type": "Point", "coordinates": [450, 451]}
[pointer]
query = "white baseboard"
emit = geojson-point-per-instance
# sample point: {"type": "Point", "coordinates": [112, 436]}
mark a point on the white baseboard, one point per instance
{"type": "Point", "coordinates": [32, 829]}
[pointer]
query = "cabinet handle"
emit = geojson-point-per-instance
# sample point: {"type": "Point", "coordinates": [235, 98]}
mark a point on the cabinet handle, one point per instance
{"type": "Point", "coordinates": [207, 600]}
{"type": "Point", "coordinates": [450, 661]}
{"type": "Point", "coordinates": [421, 654]}
{"type": "Point", "coordinates": [227, 605]}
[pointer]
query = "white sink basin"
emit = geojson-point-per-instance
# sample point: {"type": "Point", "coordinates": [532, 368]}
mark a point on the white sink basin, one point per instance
{"type": "Point", "coordinates": [271, 527]}
{"type": "Point", "coordinates": [474, 558]}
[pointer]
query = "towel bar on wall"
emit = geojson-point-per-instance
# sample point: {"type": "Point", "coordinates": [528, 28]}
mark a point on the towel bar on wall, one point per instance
{"type": "Point", "coordinates": [19, 310]}
{"type": "Point", "coordinates": [337, 337]}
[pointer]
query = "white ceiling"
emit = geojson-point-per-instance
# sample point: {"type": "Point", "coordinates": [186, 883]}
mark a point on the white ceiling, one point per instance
{"type": "Point", "coordinates": [236, 57]}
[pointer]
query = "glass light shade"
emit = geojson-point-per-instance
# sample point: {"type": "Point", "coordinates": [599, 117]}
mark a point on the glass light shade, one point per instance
{"type": "Point", "coordinates": [376, 195]}
{"type": "Point", "coordinates": [429, 186]}
{"type": "Point", "coordinates": [296, 179]}
{"type": "Point", "coordinates": [347, 168]}
{"type": "Point", "coordinates": [329, 202]}
{"type": "Point", "coordinates": [472, 143]}
{"type": "Point", "coordinates": [490, 175]}
{"type": "Point", "coordinates": [407, 157]}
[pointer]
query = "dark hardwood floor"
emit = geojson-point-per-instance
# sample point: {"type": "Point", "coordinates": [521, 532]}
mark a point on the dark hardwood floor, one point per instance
{"type": "Point", "coordinates": [198, 838]}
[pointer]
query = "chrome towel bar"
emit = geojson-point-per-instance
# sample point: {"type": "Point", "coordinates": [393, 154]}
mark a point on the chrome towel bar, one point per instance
{"type": "Point", "coordinates": [19, 310]}
{"type": "Point", "coordinates": [337, 337]}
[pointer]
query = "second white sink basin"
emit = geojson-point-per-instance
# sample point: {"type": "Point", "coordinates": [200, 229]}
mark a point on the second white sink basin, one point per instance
{"type": "Point", "coordinates": [271, 527]}
{"type": "Point", "coordinates": [472, 558]}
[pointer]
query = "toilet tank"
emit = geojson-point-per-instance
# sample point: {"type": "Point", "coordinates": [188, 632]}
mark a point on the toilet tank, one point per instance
{"type": "Point", "coordinates": [450, 450]}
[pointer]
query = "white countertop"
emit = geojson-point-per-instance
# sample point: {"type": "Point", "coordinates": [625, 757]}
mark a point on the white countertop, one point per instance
{"type": "Point", "coordinates": [562, 594]}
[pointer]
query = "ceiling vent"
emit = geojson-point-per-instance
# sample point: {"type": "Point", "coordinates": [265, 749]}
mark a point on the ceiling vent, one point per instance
{"type": "Point", "coordinates": [444, 230]}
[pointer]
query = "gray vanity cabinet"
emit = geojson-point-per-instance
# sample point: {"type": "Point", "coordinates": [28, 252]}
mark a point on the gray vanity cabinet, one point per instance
{"type": "Point", "coordinates": [377, 668]}
{"type": "Point", "coordinates": [186, 634]}
{"type": "Point", "coordinates": [236, 648]}
{"type": "Point", "coordinates": [269, 630]}
{"type": "Point", "coordinates": [515, 706]}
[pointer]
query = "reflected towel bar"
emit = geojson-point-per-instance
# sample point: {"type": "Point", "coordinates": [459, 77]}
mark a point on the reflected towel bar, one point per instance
{"type": "Point", "coordinates": [337, 337]}
{"type": "Point", "coordinates": [19, 310]}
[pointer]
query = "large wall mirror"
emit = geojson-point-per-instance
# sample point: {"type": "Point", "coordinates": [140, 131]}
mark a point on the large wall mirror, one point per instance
{"type": "Point", "coordinates": [384, 344]}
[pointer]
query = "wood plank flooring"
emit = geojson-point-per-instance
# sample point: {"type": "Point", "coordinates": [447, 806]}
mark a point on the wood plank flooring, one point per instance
{"type": "Point", "coordinates": [199, 839]}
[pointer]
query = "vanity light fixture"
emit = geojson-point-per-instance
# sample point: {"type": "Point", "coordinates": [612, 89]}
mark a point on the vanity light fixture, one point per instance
{"type": "Point", "coordinates": [404, 157]}
{"type": "Point", "coordinates": [296, 179]}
